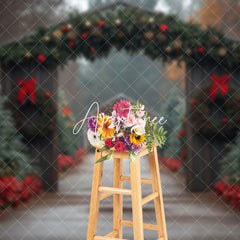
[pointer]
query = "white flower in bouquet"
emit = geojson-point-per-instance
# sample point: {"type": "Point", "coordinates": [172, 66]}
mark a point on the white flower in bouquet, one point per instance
{"type": "Point", "coordinates": [94, 138]}
{"type": "Point", "coordinates": [138, 129]}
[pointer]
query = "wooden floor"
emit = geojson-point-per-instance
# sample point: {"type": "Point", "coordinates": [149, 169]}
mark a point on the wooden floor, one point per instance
{"type": "Point", "coordinates": [64, 215]}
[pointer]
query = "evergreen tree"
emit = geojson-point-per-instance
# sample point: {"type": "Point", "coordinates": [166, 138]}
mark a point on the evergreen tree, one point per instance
{"type": "Point", "coordinates": [67, 142]}
{"type": "Point", "coordinates": [173, 111]}
{"type": "Point", "coordinates": [13, 160]}
{"type": "Point", "coordinates": [231, 162]}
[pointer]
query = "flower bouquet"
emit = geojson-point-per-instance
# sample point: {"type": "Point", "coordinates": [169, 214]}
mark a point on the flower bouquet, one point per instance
{"type": "Point", "coordinates": [127, 129]}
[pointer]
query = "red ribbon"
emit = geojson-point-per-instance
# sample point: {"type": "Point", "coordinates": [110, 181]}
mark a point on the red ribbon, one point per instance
{"type": "Point", "coordinates": [219, 83]}
{"type": "Point", "coordinates": [26, 88]}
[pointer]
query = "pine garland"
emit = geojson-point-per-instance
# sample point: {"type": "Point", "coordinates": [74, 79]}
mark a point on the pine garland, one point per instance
{"type": "Point", "coordinates": [93, 36]}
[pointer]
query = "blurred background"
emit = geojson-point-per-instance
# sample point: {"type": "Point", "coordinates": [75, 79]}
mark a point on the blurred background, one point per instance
{"type": "Point", "coordinates": [212, 213]}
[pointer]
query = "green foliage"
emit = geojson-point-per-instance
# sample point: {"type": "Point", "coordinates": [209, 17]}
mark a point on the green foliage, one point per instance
{"type": "Point", "coordinates": [67, 142]}
{"type": "Point", "coordinates": [130, 35]}
{"type": "Point", "coordinates": [230, 165]}
{"type": "Point", "coordinates": [106, 157]}
{"type": "Point", "coordinates": [204, 111]}
{"type": "Point", "coordinates": [154, 135]}
{"type": "Point", "coordinates": [13, 160]}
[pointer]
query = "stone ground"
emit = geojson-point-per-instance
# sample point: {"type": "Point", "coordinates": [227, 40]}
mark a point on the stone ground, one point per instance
{"type": "Point", "coordinates": [64, 215]}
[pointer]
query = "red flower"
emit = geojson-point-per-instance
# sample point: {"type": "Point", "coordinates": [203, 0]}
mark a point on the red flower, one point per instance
{"type": "Point", "coordinates": [184, 151]}
{"type": "Point", "coordinates": [41, 58]}
{"type": "Point", "coordinates": [84, 35]}
{"type": "Point", "coordinates": [67, 111]}
{"type": "Point", "coordinates": [184, 122]}
{"type": "Point", "coordinates": [71, 44]}
{"type": "Point", "coordinates": [92, 49]}
{"type": "Point", "coordinates": [80, 153]}
{"type": "Point", "coordinates": [181, 133]}
{"type": "Point", "coordinates": [64, 28]}
{"type": "Point", "coordinates": [120, 147]}
{"type": "Point", "coordinates": [224, 120]}
{"type": "Point", "coordinates": [193, 102]}
{"type": "Point", "coordinates": [109, 143]}
{"type": "Point", "coordinates": [201, 49]}
{"type": "Point", "coordinates": [221, 186]}
{"type": "Point", "coordinates": [64, 162]}
{"type": "Point", "coordinates": [47, 94]}
{"type": "Point", "coordinates": [163, 27]}
{"type": "Point", "coordinates": [101, 23]}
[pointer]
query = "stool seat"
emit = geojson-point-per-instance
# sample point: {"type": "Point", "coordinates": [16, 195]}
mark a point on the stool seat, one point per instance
{"type": "Point", "coordinates": [100, 192]}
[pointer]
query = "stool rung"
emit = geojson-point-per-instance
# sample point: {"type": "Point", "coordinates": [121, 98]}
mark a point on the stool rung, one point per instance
{"type": "Point", "coordinates": [105, 195]}
{"type": "Point", "coordinates": [149, 198]}
{"type": "Point", "coordinates": [145, 225]}
{"type": "Point", "coordinates": [115, 190]}
{"type": "Point", "coordinates": [107, 238]}
{"type": "Point", "coordinates": [111, 234]}
{"type": "Point", "coordinates": [143, 180]}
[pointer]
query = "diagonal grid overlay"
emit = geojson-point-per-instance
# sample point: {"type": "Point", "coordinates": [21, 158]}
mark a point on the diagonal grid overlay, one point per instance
{"type": "Point", "coordinates": [62, 219]}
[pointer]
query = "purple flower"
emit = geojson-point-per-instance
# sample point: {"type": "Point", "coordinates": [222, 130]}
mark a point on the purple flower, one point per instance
{"type": "Point", "coordinates": [136, 148]}
{"type": "Point", "coordinates": [92, 124]}
{"type": "Point", "coordinates": [127, 140]}
{"type": "Point", "coordinates": [126, 148]}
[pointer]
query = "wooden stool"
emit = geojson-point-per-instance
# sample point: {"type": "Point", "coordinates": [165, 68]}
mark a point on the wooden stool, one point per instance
{"type": "Point", "coordinates": [100, 192]}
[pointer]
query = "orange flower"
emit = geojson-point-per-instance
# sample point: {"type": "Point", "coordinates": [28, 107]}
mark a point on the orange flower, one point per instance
{"type": "Point", "coordinates": [104, 129]}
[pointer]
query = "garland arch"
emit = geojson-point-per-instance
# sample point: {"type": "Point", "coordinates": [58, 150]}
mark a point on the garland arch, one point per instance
{"type": "Point", "coordinates": [93, 34]}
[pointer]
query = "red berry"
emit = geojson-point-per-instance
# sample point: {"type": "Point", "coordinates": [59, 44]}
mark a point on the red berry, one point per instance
{"type": "Point", "coordinates": [47, 94]}
{"type": "Point", "coordinates": [184, 151]}
{"type": "Point", "coordinates": [64, 28]}
{"type": "Point", "coordinates": [41, 58]}
{"type": "Point", "coordinates": [201, 49]}
{"type": "Point", "coordinates": [163, 27]}
{"type": "Point", "coordinates": [101, 23]}
{"type": "Point", "coordinates": [84, 35]}
{"type": "Point", "coordinates": [224, 120]}
{"type": "Point", "coordinates": [193, 102]}
{"type": "Point", "coordinates": [92, 49]}
{"type": "Point", "coordinates": [71, 44]}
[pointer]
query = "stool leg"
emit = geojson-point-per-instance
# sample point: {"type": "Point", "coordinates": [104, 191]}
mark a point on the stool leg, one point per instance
{"type": "Point", "coordinates": [158, 202]}
{"type": "Point", "coordinates": [136, 188]}
{"type": "Point", "coordinates": [95, 197]}
{"type": "Point", "coordinates": [117, 198]}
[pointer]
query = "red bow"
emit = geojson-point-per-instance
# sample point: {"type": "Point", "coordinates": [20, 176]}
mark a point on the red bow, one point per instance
{"type": "Point", "coordinates": [26, 88]}
{"type": "Point", "coordinates": [219, 82]}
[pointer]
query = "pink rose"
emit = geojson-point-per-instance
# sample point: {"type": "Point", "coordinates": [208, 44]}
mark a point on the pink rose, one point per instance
{"type": "Point", "coordinates": [140, 122]}
{"type": "Point", "coordinates": [140, 113]}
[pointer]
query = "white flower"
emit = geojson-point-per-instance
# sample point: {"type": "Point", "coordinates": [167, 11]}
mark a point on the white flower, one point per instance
{"type": "Point", "coordinates": [138, 129]}
{"type": "Point", "coordinates": [94, 138]}
{"type": "Point", "coordinates": [142, 107]}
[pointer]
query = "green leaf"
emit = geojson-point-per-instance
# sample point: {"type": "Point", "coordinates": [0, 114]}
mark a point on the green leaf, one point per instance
{"type": "Point", "coordinates": [132, 156]}
{"type": "Point", "coordinates": [104, 148]}
{"type": "Point", "coordinates": [106, 157]}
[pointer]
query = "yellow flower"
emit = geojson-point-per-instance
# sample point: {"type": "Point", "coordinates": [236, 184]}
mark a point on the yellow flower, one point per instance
{"type": "Point", "coordinates": [137, 139]}
{"type": "Point", "coordinates": [104, 129]}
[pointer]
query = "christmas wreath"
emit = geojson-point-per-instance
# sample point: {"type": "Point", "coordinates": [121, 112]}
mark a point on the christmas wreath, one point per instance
{"type": "Point", "coordinates": [215, 108]}
{"type": "Point", "coordinates": [33, 109]}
